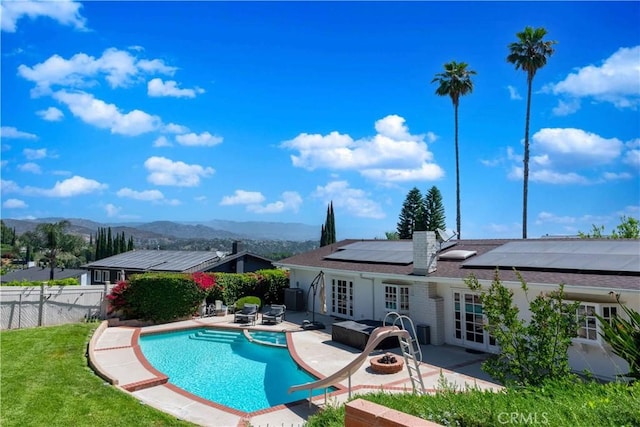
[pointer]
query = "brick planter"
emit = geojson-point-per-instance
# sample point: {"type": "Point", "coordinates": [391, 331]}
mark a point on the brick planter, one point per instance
{"type": "Point", "coordinates": [378, 365]}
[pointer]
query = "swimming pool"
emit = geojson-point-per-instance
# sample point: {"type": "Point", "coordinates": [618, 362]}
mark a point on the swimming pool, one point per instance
{"type": "Point", "coordinates": [224, 367]}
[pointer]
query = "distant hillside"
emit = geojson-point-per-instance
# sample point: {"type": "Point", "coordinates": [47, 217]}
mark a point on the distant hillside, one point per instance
{"type": "Point", "coordinates": [214, 229]}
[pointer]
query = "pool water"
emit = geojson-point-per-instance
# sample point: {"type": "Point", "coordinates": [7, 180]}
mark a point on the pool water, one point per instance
{"type": "Point", "coordinates": [224, 367]}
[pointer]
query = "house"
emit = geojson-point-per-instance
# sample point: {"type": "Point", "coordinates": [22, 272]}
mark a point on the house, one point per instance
{"type": "Point", "coordinates": [42, 274]}
{"type": "Point", "coordinates": [424, 278]}
{"type": "Point", "coordinates": [118, 267]}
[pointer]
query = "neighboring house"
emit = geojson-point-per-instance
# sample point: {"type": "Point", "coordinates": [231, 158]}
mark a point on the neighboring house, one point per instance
{"type": "Point", "coordinates": [42, 274]}
{"type": "Point", "coordinates": [424, 278]}
{"type": "Point", "coordinates": [118, 267]}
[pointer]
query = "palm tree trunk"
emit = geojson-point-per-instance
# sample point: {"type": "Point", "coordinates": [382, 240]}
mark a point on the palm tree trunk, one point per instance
{"type": "Point", "coordinates": [525, 189]}
{"type": "Point", "coordinates": [457, 172]}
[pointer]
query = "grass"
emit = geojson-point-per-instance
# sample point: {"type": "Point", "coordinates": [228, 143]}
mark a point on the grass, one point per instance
{"type": "Point", "coordinates": [45, 381]}
{"type": "Point", "coordinates": [568, 403]}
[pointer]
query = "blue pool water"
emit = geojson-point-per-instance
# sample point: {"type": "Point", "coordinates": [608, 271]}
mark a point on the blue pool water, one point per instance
{"type": "Point", "coordinates": [224, 367]}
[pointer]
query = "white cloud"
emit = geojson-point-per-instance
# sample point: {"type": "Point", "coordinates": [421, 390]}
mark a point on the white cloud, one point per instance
{"type": "Point", "coordinates": [566, 108]}
{"type": "Point", "coordinates": [7, 186]}
{"type": "Point", "coordinates": [632, 156]}
{"type": "Point", "coordinates": [107, 116]}
{"type": "Point", "coordinates": [51, 114]}
{"type": "Point", "coordinates": [162, 141]}
{"type": "Point", "coordinates": [147, 196]}
{"type": "Point", "coordinates": [174, 128]}
{"type": "Point", "coordinates": [156, 87]}
{"type": "Point", "coordinates": [163, 171]}
{"type": "Point", "coordinates": [569, 156]}
{"type": "Point", "coordinates": [64, 12]}
{"type": "Point", "coordinates": [616, 176]}
{"type": "Point", "coordinates": [205, 139]}
{"type": "Point", "coordinates": [291, 201]}
{"type": "Point", "coordinates": [576, 147]}
{"type": "Point", "coordinates": [30, 167]}
{"type": "Point", "coordinates": [112, 210]}
{"type": "Point", "coordinates": [118, 67]}
{"type": "Point", "coordinates": [393, 153]}
{"type": "Point", "coordinates": [74, 186]}
{"type": "Point", "coordinates": [242, 197]}
{"type": "Point", "coordinates": [614, 81]}
{"type": "Point", "coordinates": [14, 204]}
{"type": "Point", "coordinates": [553, 177]}
{"type": "Point", "coordinates": [11, 132]}
{"type": "Point", "coordinates": [513, 93]}
{"type": "Point", "coordinates": [32, 154]}
{"type": "Point", "coordinates": [354, 201]}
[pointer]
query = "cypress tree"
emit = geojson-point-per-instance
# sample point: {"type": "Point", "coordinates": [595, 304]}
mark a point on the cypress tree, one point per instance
{"type": "Point", "coordinates": [109, 243]}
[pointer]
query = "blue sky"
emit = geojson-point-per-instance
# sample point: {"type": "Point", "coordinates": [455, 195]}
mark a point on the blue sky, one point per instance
{"type": "Point", "coordinates": [192, 111]}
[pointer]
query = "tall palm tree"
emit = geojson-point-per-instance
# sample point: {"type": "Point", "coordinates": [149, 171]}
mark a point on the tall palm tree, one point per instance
{"type": "Point", "coordinates": [455, 82]}
{"type": "Point", "coordinates": [529, 53]}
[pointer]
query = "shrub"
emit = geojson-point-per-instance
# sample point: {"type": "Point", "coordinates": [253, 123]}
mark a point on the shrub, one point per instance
{"type": "Point", "coordinates": [623, 335]}
{"type": "Point", "coordinates": [529, 352]}
{"type": "Point", "coordinates": [161, 296]}
{"type": "Point", "coordinates": [268, 285]}
{"type": "Point", "coordinates": [57, 282]}
{"type": "Point", "coordinates": [248, 300]}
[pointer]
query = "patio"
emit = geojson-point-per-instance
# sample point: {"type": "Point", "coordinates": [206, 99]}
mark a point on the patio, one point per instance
{"type": "Point", "coordinates": [117, 355]}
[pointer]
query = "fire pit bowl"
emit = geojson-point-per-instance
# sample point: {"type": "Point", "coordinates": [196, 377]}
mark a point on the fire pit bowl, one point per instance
{"type": "Point", "coordinates": [388, 363]}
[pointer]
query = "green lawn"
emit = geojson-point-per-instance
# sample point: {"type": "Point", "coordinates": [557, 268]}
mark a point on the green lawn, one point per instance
{"type": "Point", "coordinates": [45, 381]}
{"type": "Point", "coordinates": [566, 403]}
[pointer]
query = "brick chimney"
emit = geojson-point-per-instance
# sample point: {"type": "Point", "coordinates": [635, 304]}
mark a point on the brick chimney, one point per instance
{"type": "Point", "coordinates": [425, 248]}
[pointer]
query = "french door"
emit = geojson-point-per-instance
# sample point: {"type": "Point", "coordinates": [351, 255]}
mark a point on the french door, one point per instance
{"type": "Point", "coordinates": [469, 322]}
{"type": "Point", "coordinates": [342, 297]}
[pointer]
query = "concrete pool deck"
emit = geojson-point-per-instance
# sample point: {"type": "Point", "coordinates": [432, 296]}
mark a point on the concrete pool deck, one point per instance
{"type": "Point", "coordinates": [117, 356]}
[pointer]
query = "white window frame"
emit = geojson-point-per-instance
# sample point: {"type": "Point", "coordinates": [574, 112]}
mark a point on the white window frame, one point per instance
{"type": "Point", "coordinates": [396, 298]}
{"type": "Point", "coordinates": [342, 297]}
{"type": "Point", "coordinates": [97, 276]}
{"type": "Point", "coordinates": [588, 324]}
{"type": "Point", "coordinates": [105, 276]}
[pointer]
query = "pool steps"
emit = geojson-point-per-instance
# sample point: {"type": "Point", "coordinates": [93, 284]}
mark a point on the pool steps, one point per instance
{"type": "Point", "coordinates": [217, 336]}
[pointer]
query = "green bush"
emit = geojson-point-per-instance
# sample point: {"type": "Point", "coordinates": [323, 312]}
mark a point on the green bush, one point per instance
{"type": "Point", "coordinates": [268, 285]}
{"type": "Point", "coordinates": [58, 282]}
{"type": "Point", "coordinates": [248, 300]}
{"type": "Point", "coordinates": [162, 296]}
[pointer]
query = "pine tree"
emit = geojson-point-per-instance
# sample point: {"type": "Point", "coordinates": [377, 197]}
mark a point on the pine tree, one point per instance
{"type": "Point", "coordinates": [130, 244]}
{"type": "Point", "coordinates": [412, 216]}
{"type": "Point", "coordinates": [434, 210]}
{"type": "Point", "coordinates": [109, 251]}
{"type": "Point", "coordinates": [323, 236]}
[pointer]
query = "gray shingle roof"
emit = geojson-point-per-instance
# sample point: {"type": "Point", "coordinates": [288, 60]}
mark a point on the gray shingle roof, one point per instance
{"type": "Point", "coordinates": [455, 269]}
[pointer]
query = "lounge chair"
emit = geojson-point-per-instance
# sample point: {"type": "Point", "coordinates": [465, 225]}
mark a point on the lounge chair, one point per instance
{"type": "Point", "coordinates": [248, 314]}
{"type": "Point", "coordinates": [219, 309]}
{"type": "Point", "coordinates": [275, 314]}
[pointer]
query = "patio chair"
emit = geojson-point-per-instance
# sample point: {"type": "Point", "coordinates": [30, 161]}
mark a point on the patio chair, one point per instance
{"type": "Point", "coordinates": [248, 314]}
{"type": "Point", "coordinates": [219, 309]}
{"type": "Point", "coordinates": [275, 314]}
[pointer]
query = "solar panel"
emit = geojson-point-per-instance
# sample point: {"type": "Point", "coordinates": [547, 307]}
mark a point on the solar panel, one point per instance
{"type": "Point", "coordinates": [150, 260]}
{"type": "Point", "coordinates": [583, 254]}
{"type": "Point", "coordinates": [386, 252]}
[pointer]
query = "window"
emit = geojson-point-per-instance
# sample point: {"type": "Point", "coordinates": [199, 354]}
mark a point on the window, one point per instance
{"type": "Point", "coordinates": [97, 276]}
{"type": "Point", "coordinates": [588, 324]}
{"type": "Point", "coordinates": [105, 275]}
{"type": "Point", "coordinates": [396, 298]}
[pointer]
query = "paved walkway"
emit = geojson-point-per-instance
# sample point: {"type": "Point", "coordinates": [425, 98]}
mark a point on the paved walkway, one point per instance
{"type": "Point", "coordinates": [118, 356]}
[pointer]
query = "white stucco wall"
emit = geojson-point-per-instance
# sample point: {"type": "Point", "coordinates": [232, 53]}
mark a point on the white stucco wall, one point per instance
{"type": "Point", "coordinates": [432, 304]}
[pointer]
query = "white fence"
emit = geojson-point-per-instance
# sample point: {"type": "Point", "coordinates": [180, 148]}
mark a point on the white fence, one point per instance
{"type": "Point", "coordinates": [30, 306]}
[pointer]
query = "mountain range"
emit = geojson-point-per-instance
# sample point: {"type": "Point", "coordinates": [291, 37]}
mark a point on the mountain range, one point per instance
{"type": "Point", "coordinates": [162, 230]}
